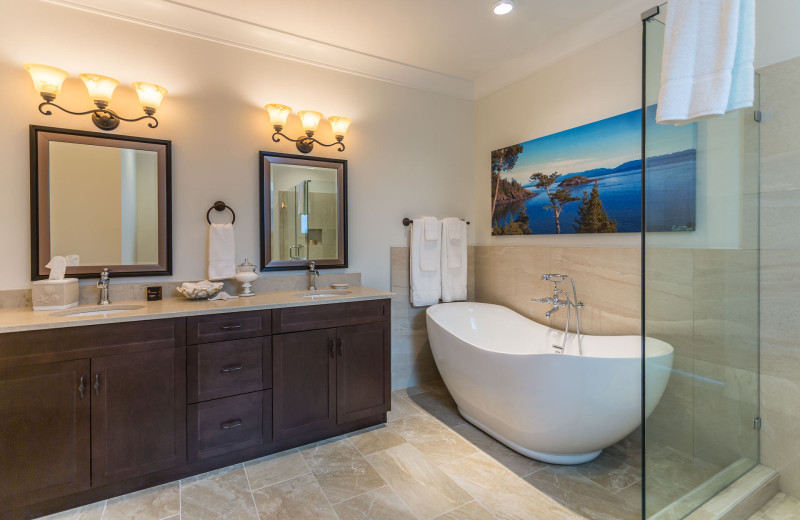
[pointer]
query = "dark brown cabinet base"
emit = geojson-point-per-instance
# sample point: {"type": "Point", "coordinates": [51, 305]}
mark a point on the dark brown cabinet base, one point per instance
{"type": "Point", "coordinates": [93, 412]}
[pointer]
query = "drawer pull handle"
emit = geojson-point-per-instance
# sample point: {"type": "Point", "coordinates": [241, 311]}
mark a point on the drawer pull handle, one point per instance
{"type": "Point", "coordinates": [97, 384]}
{"type": "Point", "coordinates": [232, 326]}
{"type": "Point", "coordinates": [340, 346]}
{"type": "Point", "coordinates": [231, 368]}
{"type": "Point", "coordinates": [231, 424]}
{"type": "Point", "coordinates": [332, 347]}
{"type": "Point", "coordinates": [82, 386]}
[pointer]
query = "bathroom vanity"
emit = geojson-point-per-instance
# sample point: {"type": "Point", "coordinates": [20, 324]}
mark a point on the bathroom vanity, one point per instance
{"type": "Point", "coordinates": [91, 411]}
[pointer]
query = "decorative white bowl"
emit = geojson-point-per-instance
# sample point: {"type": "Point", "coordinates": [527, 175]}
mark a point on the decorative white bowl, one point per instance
{"type": "Point", "coordinates": [200, 290]}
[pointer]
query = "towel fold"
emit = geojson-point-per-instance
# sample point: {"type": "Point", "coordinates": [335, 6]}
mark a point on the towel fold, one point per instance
{"type": "Point", "coordinates": [454, 260]}
{"type": "Point", "coordinates": [433, 227]}
{"type": "Point", "coordinates": [707, 65]}
{"type": "Point", "coordinates": [426, 284]}
{"type": "Point", "coordinates": [221, 252]}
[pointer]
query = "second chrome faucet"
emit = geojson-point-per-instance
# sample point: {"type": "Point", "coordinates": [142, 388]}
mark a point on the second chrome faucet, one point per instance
{"type": "Point", "coordinates": [102, 284]}
{"type": "Point", "coordinates": [567, 302]}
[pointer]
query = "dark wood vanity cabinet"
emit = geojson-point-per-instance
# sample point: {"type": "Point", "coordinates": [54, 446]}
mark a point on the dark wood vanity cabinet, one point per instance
{"type": "Point", "coordinates": [91, 412]}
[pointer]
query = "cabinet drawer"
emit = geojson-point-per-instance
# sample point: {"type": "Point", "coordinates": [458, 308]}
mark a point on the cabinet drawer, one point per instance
{"type": "Point", "coordinates": [228, 368]}
{"type": "Point", "coordinates": [221, 327]}
{"type": "Point", "coordinates": [229, 424]}
{"type": "Point", "coordinates": [294, 319]}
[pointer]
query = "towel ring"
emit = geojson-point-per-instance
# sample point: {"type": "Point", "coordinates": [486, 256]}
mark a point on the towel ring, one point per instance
{"type": "Point", "coordinates": [220, 206]}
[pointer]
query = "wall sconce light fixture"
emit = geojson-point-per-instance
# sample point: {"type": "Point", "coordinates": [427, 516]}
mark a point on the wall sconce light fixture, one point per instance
{"type": "Point", "coordinates": [310, 119]}
{"type": "Point", "coordinates": [47, 81]}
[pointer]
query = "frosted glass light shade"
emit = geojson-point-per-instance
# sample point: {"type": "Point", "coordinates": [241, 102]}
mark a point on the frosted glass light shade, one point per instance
{"type": "Point", "coordinates": [339, 125]}
{"type": "Point", "coordinates": [150, 95]}
{"type": "Point", "coordinates": [100, 87]}
{"type": "Point", "coordinates": [310, 120]}
{"type": "Point", "coordinates": [278, 114]}
{"type": "Point", "coordinates": [502, 7]}
{"type": "Point", "coordinates": [46, 79]}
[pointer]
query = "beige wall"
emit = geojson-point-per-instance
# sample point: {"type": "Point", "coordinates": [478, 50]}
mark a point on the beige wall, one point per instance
{"type": "Point", "coordinates": [780, 272]}
{"type": "Point", "coordinates": [408, 151]}
{"type": "Point", "coordinates": [85, 217]}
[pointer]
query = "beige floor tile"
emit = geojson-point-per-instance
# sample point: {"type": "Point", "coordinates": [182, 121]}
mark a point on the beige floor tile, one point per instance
{"type": "Point", "coordinates": [405, 392]}
{"type": "Point", "coordinates": [576, 492]}
{"type": "Point", "coordinates": [382, 438]}
{"type": "Point", "coordinates": [470, 511]}
{"type": "Point", "coordinates": [224, 493]}
{"type": "Point", "coordinates": [275, 468]}
{"type": "Point", "coordinates": [439, 405]}
{"type": "Point", "coordinates": [341, 470]}
{"type": "Point", "coordinates": [436, 441]}
{"type": "Point", "coordinates": [628, 450]}
{"type": "Point", "coordinates": [502, 492]}
{"type": "Point", "coordinates": [300, 498]}
{"type": "Point", "coordinates": [426, 490]}
{"type": "Point", "coordinates": [150, 504]}
{"type": "Point", "coordinates": [89, 512]}
{"type": "Point", "coordinates": [509, 458]}
{"type": "Point", "coordinates": [610, 473]}
{"type": "Point", "coordinates": [401, 408]}
{"type": "Point", "coordinates": [780, 507]}
{"type": "Point", "coordinates": [380, 504]}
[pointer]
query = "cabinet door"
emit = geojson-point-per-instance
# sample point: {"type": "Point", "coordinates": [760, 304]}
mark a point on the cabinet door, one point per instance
{"type": "Point", "coordinates": [304, 382]}
{"type": "Point", "coordinates": [138, 414]}
{"type": "Point", "coordinates": [44, 432]}
{"type": "Point", "coordinates": [362, 371]}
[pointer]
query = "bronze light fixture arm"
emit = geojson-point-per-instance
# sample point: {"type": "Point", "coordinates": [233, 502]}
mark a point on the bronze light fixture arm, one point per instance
{"type": "Point", "coordinates": [306, 143]}
{"type": "Point", "coordinates": [104, 118]}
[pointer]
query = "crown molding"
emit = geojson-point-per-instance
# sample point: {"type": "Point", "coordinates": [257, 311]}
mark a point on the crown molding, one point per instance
{"type": "Point", "coordinates": [190, 21]}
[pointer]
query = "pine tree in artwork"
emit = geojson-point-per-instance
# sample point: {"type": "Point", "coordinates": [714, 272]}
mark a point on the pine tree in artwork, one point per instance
{"type": "Point", "coordinates": [592, 217]}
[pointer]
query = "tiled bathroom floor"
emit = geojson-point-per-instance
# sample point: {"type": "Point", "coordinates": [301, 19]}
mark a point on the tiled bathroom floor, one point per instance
{"type": "Point", "coordinates": [427, 463]}
{"type": "Point", "coordinates": [781, 507]}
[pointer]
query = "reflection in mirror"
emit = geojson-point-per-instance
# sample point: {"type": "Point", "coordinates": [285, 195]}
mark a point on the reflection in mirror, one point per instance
{"type": "Point", "coordinates": [123, 186]}
{"type": "Point", "coordinates": [100, 201]}
{"type": "Point", "coordinates": [305, 218]}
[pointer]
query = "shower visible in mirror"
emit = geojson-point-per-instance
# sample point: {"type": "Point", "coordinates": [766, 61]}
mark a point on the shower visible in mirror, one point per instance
{"type": "Point", "coordinates": [303, 208]}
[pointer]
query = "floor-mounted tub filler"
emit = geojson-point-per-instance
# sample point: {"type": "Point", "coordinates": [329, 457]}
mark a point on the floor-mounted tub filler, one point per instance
{"type": "Point", "coordinates": [510, 379]}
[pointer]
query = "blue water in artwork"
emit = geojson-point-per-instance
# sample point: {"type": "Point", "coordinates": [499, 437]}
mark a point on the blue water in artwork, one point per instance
{"type": "Point", "coordinates": [609, 152]}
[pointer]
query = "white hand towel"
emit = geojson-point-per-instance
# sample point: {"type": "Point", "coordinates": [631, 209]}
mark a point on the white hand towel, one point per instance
{"type": "Point", "coordinates": [454, 261]}
{"type": "Point", "coordinates": [707, 65]}
{"type": "Point", "coordinates": [430, 250]}
{"type": "Point", "coordinates": [426, 285]}
{"type": "Point", "coordinates": [454, 226]}
{"type": "Point", "coordinates": [433, 228]}
{"type": "Point", "coordinates": [221, 252]}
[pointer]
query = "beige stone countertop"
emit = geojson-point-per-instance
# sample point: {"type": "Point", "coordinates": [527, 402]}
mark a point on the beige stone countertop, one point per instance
{"type": "Point", "coordinates": [24, 319]}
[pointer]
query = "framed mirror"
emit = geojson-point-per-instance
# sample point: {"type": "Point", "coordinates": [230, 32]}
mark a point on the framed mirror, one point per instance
{"type": "Point", "coordinates": [303, 212]}
{"type": "Point", "coordinates": [100, 200]}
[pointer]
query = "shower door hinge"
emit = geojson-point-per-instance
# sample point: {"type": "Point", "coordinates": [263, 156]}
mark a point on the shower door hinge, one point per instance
{"type": "Point", "coordinates": [757, 423]}
{"type": "Point", "coordinates": [757, 116]}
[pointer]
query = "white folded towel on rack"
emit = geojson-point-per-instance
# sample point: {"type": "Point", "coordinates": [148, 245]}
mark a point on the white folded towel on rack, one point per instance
{"type": "Point", "coordinates": [454, 260]}
{"type": "Point", "coordinates": [707, 64]}
{"type": "Point", "coordinates": [221, 252]}
{"type": "Point", "coordinates": [433, 228]}
{"type": "Point", "coordinates": [426, 284]}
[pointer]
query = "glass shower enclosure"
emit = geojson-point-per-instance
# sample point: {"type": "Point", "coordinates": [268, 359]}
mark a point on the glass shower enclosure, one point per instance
{"type": "Point", "coordinates": [700, 295]}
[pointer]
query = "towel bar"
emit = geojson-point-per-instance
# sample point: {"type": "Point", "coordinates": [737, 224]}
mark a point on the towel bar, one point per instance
{"type": "Point", "coordinates": [407, 221]}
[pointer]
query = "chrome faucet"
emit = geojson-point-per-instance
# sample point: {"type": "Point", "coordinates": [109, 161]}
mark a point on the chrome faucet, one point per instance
{"type": "Point", "coordinates": [313, 274]}
{"type": "Point", "coordinates": [102, 284]}
{"type": "Point", "coordinates": [567, 302]}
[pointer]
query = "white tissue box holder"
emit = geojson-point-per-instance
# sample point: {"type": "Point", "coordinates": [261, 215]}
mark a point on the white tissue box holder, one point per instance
{"type": "Point", "coordinates": [53, 295]}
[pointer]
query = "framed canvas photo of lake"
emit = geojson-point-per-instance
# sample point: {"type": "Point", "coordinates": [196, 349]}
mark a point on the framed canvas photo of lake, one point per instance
{"type": "Point", "coordinates": [588, 179]}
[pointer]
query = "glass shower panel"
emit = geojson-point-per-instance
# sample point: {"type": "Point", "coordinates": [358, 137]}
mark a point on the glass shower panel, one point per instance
{"type": "Point", "coordinates": [700, 279]}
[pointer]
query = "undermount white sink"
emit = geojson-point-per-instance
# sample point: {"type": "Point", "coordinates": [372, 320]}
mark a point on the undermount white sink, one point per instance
{"type": "Point", "coordinates": [322, 293]}
{"type": "Point", "coordinates": [98, 310]}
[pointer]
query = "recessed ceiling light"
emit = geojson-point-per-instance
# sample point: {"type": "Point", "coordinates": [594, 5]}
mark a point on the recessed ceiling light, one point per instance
{"type": "Point", "coordinates": [502, 6]}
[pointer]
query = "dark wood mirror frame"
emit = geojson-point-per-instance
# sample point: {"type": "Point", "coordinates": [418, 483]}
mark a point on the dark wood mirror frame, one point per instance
{"type": "Point", "coordinates": [40, 138]}
{"type": "Point", "coordinates": [266, 159]}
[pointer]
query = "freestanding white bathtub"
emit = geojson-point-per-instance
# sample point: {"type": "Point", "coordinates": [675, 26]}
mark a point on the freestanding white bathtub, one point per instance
{"type": "Point", "coordinates": [504, 375]}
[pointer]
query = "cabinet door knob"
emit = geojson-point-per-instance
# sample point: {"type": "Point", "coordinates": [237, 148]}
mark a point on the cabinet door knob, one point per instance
{"type": "Point", "coordinates": [231, 368]}
{"type": "Point", "coordinates": [230, 326]}
{"type": "Point", "coordinates": [82, 386]}
{"type": "Point", "coordinates": [97, 384]}
{"type": "Point", "coordinates": [231, 424]}
{"type": "Point", "coordinates": [340, 345]}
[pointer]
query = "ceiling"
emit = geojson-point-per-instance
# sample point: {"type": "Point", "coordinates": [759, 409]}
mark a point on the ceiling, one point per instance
{"type": "Point", "coordinates": [456, 47]}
